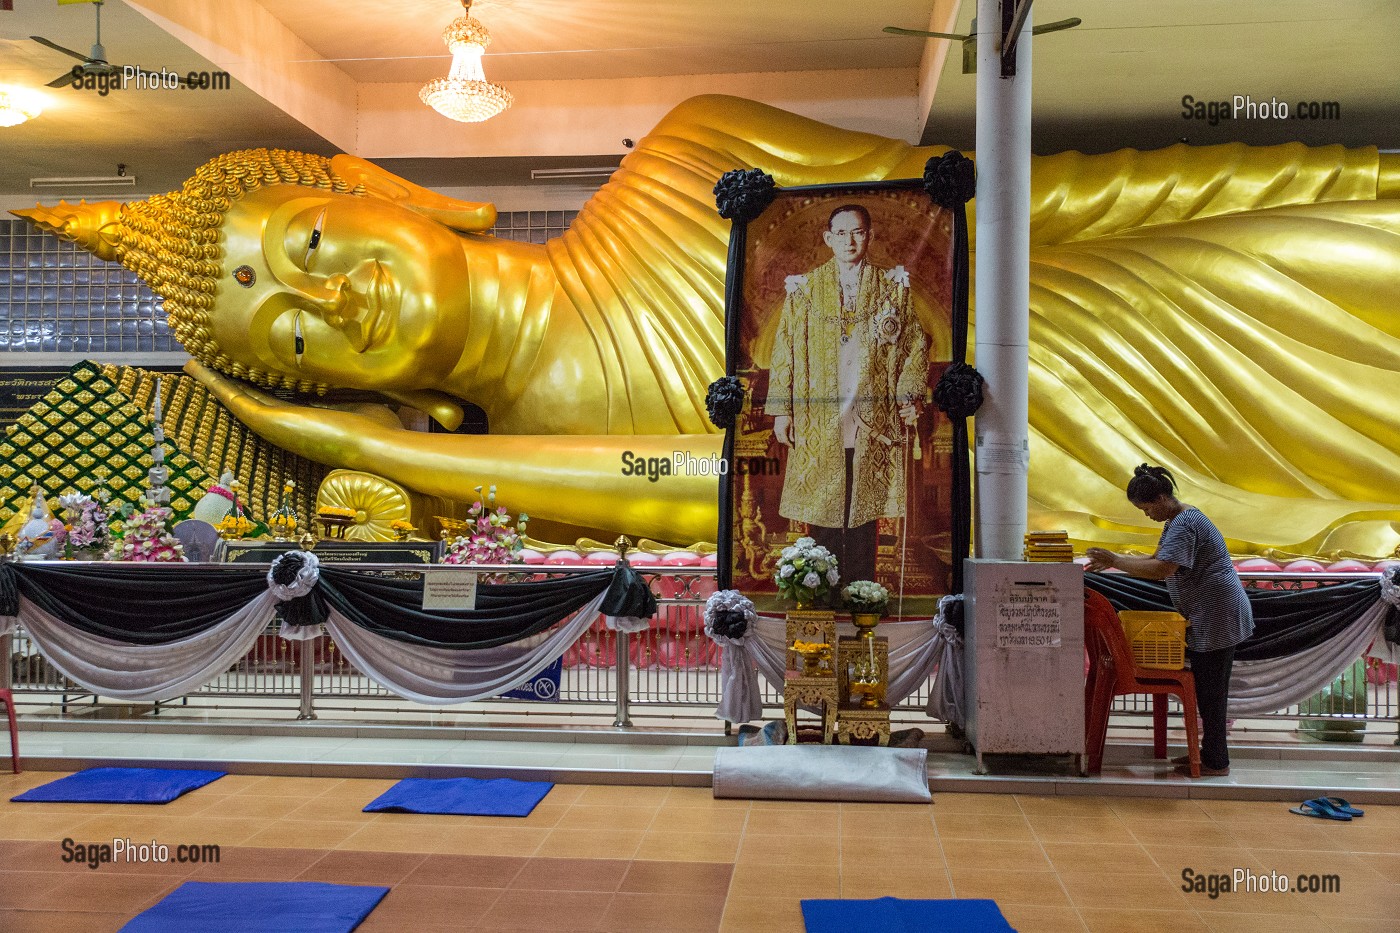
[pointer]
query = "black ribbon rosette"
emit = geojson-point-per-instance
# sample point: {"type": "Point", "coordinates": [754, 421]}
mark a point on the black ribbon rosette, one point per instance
{"type": "Point", "coordinates": [950, 179]}
{"type": "Point", "coordinates": [742, 194]}
{"type": "Point", "coordinates": [724, 400]}
{"type": "Point", "coordinates": [959, 391]}
{"type": "Point", "coordinates": [287, 569]}
{"type": "Point", "coordinates": [729, 617]}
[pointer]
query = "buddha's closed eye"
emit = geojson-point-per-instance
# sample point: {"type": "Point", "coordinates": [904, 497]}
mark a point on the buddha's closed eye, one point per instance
{"type": "Point", "coordinates": [314, 241]}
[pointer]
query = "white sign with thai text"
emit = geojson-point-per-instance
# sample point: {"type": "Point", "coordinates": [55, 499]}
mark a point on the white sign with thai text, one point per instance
{"type": "Point", "coordinates": [449, 589]}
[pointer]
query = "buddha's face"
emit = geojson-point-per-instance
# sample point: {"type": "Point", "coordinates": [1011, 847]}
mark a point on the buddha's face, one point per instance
{"type": "Point", "coordinates": [349, 291]}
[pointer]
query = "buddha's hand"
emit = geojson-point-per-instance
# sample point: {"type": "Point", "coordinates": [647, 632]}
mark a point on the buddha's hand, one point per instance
{"type": "Point", "coordinates": [326, 435]}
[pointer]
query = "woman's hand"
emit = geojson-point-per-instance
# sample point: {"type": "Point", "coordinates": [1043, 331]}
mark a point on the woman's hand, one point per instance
{"type": "Point", "coordinates": [1100, 559]}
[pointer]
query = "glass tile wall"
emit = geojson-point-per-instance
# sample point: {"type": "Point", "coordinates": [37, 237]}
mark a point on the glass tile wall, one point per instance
{"type": "Point", "coordinates": [532, 226]}
{"type": "Point", "coordinates": [55, 297]}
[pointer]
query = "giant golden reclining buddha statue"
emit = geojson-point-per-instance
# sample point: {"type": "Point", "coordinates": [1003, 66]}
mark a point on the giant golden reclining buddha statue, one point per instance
{"type": "Point", "coordinates": [1228, 312]}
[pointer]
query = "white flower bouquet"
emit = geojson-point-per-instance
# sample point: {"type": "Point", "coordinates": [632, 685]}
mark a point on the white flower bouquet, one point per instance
{"type": "Point", "coordinates": [806, 571]}
{"type": "Point", "coordinates": [866, 596]}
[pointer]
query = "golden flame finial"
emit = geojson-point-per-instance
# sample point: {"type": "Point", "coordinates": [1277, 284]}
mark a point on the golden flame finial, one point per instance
{"type": "Point", "coordinates": [95, 227]}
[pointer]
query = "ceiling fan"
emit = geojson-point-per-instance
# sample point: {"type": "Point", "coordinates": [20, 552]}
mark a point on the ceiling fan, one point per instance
{"type": "Point", "coordinates": [969, 43]}
{"type": "Point", "coordinates": [94, 64]}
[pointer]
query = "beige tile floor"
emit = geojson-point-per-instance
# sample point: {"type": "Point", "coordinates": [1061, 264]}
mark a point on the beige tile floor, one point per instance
{"type": "Point", "coordinates": [656, 859]}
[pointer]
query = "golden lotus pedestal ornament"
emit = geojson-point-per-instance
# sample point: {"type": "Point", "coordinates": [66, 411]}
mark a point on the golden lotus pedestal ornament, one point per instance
{"type": "Point", "coordinates": [863, 673]}
{"type": "Point", "coordinates": [810, 677]}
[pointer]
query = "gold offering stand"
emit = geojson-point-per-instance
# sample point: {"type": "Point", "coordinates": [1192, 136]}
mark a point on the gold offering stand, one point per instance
{"type": "Point", "coordinates": [863, 675]}
{"type": "Point", "coordinates": [334, 522]}
{"type": "Point", "coordinates": [810, 677]}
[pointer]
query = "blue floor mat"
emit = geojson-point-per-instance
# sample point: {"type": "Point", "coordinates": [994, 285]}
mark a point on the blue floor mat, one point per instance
{"type": "Point", "coordinates": [120, 785]}
{"type": "Point", "coordinates": [259, 907]}
{"type": "Point", "coordinates": [896, 915]}
{"type": "Point", "coordinates": [461, 797]}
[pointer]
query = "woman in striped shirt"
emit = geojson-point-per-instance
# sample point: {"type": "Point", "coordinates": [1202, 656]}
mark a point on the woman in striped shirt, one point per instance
{"type": "Point", "coordinates": [1191, 557]}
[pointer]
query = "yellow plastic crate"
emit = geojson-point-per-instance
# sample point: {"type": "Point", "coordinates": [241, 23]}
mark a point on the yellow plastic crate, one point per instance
{"type": "Point", "coordinates": [1158, 639]}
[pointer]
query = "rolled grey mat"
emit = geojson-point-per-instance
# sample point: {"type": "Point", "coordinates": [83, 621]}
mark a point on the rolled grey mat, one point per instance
{"type": "Point", "coordinates": [823, 772]}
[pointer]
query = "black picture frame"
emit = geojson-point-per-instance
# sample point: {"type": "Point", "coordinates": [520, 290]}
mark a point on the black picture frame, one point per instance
{"type": "Point", "coordinates": [744, 197]}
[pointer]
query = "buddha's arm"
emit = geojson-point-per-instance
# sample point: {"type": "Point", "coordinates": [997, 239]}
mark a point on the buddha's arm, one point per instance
{"type": "Point", "coordinates": [598, 481]}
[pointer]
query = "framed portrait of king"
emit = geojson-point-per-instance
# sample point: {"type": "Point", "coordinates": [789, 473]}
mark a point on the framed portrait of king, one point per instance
{"type": "Point", "coordinates": [840, 324]}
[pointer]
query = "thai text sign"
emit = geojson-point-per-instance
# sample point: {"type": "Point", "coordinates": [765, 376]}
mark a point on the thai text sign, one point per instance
{"type": "Point", "coordinates": [1028, 616]}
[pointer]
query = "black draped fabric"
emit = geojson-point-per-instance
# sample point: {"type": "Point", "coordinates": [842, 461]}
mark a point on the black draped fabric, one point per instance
{"type": "Point", "coordinates": [505, 612]}
{"type": "Point", "coordinates": [9, 594]}
{"type": "Point", "coordinates": [1285, 621]}
{"type": "Point", "coordinates": [146, 605]}
{"type": "Point", "coordinates": [628, 594]}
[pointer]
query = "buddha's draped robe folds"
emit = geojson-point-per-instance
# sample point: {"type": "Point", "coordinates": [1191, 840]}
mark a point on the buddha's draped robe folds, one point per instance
{"type": "Point", "coordinates": [1229, 312]}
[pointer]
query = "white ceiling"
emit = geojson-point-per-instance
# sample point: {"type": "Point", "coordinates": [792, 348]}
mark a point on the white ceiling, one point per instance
{"type": "Point", "coordinates": [160, 134]}
{"type": "Point", "coordinates": [1115, 81]}
{"type": "Point", "coordinates": [561, 39]}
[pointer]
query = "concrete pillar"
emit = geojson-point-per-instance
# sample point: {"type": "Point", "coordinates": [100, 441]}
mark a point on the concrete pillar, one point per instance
{"type": "Point", "coordinates": [1002, 287]}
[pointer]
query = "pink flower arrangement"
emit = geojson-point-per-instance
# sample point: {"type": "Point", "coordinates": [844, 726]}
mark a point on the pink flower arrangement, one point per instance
{"type": "Point", "coordinates": [490, 537]}
{"type": "Point", "coordinates": [87, 522]}
{"type": "Point", "coordinates": [147, 537]}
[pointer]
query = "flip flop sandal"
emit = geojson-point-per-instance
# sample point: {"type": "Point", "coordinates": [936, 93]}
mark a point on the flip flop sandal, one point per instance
{"type": "Point", "coordinates": [1341, 806]}
{"type": "Point", "coordinates": [1320, 810]}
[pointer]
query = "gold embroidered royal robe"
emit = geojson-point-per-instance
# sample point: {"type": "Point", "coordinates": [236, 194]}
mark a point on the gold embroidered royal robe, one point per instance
{"type": "Point", "coordinates": [804, 383]}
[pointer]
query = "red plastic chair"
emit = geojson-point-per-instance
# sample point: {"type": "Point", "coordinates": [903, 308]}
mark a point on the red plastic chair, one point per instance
{"type": "Point", "coordinates": [8, 699]}
{"type": "Point", "coordinates": [1112, 672]}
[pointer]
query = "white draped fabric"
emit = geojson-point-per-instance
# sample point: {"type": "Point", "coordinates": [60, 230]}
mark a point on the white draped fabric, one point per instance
{"type": "Point", "coordinates": [946, 701]}
{"type": "Point", "coordinates": [151, 673]}
{"type": "Point", "coordinates": [1265, 686]}
{"type": "Point", "coordinates": [729, 622]}
{"type": "Point", "coordinates": [915, 649]}
{"type": "Point", "coordinates": [146, 672]}
{"type": "Point", "coordinates": [627, 624]}
{"type": "Point", "coordinates": [441, 676]}
{"type": "Point", "coordinates": [738, 681]}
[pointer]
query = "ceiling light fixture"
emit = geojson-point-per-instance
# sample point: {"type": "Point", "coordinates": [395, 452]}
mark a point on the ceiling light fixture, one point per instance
{"type": "Point", "coordinates": [465, 95]}
{"type": "Point", "coordinates": [18, 105]}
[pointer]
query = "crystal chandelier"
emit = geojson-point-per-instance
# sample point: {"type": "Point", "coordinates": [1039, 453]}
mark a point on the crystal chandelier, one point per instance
{"type": "Point", "coordinates": [17, 105]}
{"type": "Point", "coordinates": [465, 95]}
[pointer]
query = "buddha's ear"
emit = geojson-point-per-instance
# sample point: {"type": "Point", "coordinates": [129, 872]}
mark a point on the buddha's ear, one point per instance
{"type": "Point", "coordinates": [463, 216]}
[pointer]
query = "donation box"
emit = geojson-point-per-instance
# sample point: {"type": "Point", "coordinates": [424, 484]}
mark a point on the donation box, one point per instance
{"type": "Point", "coordinates": [1024, 658]}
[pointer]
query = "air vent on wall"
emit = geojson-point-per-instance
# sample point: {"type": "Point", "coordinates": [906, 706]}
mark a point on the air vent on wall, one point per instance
{"type": "Point", "coordinates": [84, 183]}
{"type": "Point", "coordinates": [572, 174]}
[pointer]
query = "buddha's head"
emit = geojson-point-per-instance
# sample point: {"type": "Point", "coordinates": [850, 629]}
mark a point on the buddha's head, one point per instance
{"type": "Point", "coordinates": [295, 270]}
